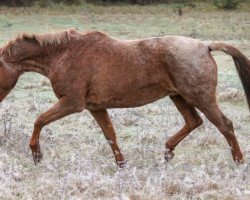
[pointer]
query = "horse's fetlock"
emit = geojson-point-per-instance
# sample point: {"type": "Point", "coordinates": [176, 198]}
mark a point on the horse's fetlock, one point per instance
{"type": "Point", "coordinates": [169, 145]}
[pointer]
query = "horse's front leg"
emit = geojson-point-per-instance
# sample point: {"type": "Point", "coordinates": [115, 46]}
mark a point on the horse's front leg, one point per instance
{"type": "Point", "coordinates": [103, 120]}
{"type": "Point", "coordinates": [61, 109]}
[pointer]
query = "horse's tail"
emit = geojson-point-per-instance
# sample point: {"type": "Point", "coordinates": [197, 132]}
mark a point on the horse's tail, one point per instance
{"type": "Point", "coordinates": [242, 64]}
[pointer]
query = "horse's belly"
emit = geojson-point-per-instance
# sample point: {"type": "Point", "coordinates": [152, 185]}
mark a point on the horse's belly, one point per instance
{"type": "Point", "coordinates": [130, 98]}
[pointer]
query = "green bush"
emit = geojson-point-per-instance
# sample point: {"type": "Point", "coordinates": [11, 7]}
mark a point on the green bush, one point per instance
{"type": "Point", "coordinates": [227, 4]}
{"type": "Point", "coordinates": [140, 2]}
{"type": "Point", "coordinates": [16, 2]}
{"type": "Point", "coordinates": [69, 2]}
{"type": "Point", "coordinates": [43, 3]}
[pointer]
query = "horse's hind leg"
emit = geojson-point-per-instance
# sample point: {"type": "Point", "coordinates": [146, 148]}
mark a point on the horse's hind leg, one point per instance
{"type": "Point", "coordinates": [102, 118]}
{"type": "Point", "coordinates": [225, 126]}
{"type": "Point", "coordinates": [192, 121]}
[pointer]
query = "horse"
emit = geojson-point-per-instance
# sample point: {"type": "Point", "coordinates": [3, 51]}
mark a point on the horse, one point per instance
{"type": "Point", "coordinates": [95, 72]}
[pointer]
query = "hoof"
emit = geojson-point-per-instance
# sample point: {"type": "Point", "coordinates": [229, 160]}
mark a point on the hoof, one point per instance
{"type": "Point", "coordinates": [36, 152]}
{"type": "Point", "coordinates": [239, 161]}
{"type": "Point", "coordinates": [37, 157]}
{"type": "Point", "coordinates": [168, 155]}
{"type": "Point", "coordinates": [238, 157]}
{"type": "Point", "coordinates": [121, 164]}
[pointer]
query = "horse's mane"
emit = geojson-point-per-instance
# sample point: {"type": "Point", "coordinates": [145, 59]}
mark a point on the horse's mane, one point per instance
{"type": "Point", "coordinates": [44, 39]}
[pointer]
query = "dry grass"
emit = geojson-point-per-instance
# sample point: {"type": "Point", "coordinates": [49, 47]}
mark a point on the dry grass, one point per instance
{"type": "Point", "coordinates": [78, 162]}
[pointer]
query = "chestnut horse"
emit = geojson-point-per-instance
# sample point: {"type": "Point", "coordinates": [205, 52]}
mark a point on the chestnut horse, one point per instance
{"type": "Point", "coordinates": [95, 72]}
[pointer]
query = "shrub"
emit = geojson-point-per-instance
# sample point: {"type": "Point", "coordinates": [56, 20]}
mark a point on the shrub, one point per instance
{"type": "Point", "coordinates": [43, 3]}
{"type": "Point", "coordinates": [69, 2]}
{"type": "Point", "coordinates": [140, 2]}
{"type": "Point", "coordinates": [16, 2]}
{"type": "Point", "coordinates": [226, 4]}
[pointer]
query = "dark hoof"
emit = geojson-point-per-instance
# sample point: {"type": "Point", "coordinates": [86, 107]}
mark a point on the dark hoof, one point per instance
{"type": "Point", "coordinates": [37, 157]}
{"type": "Point", "coordinates": [168, 155]}
{"type": "Point", "coordinates": [121, 164]}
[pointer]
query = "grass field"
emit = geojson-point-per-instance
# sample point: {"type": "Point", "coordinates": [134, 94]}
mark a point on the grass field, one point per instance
{"type": "Point", "coordinates": [78, 162]}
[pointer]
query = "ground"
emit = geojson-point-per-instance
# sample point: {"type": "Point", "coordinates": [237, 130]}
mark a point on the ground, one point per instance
{"type": "Point", "coordinates": [78, 162]}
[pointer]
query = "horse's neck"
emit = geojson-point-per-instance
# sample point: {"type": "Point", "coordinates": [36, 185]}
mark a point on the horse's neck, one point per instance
{"type": "Point", "coordinates": [38, 63]}
{"type": "Point", "coordinates": [30, 56]}
{"type": "Point", "coordinates": [30, 65]}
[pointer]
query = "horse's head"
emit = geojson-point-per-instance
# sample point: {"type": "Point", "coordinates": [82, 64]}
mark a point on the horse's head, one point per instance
{"type": "Point", "coordinates": [8, 77]}
{"type": "Point", "coordinates": [11, 57]}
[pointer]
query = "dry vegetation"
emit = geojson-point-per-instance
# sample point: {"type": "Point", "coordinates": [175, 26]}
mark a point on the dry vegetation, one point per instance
{"type": "Point", "coordinates": [78, 162]}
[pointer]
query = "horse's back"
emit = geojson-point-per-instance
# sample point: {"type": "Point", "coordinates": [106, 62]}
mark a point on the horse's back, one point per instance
{"type": "Point", "coordinates": [130, 73]}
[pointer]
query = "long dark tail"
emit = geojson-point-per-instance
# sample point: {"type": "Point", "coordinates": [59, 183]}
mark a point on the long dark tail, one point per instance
{"type": "Point", "coordinates": [242, 64]}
